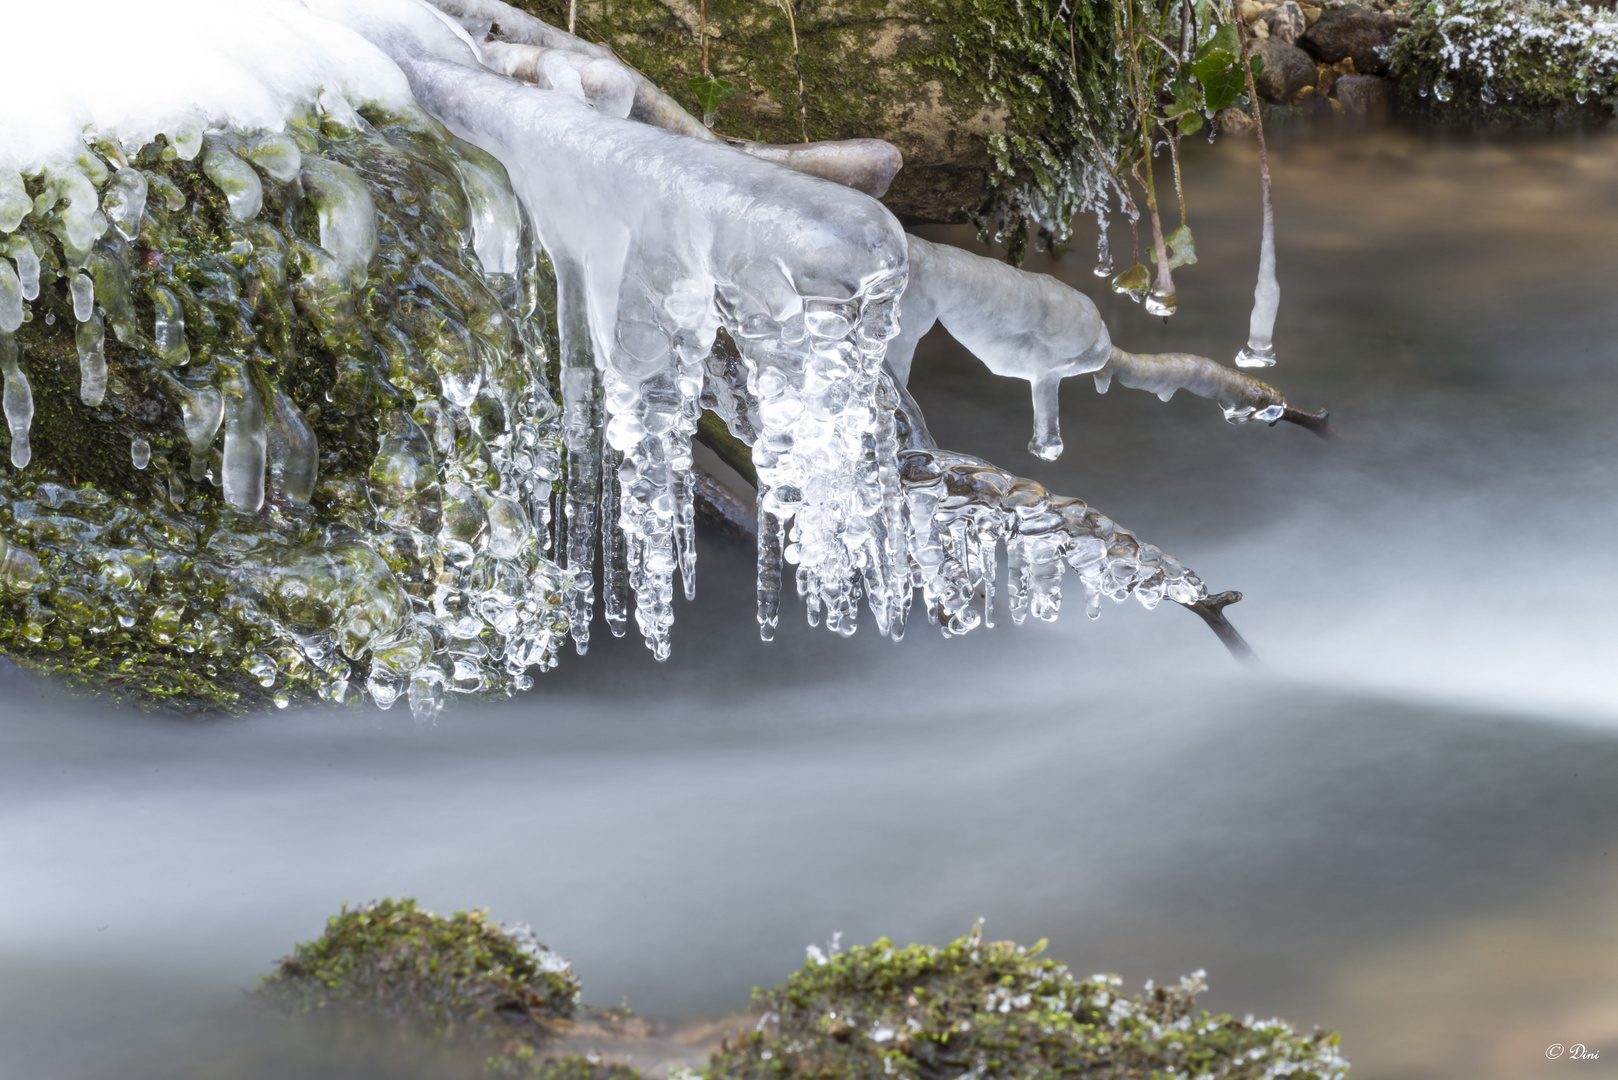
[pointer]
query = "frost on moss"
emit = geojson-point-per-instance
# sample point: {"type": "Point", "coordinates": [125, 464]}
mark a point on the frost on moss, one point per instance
{"type": "Point", "coordinates": [993, 1009]}
{"type": "Point", "coordinates": [462, 975]}
{"type": "Point", "coordinates": [1513, 62]}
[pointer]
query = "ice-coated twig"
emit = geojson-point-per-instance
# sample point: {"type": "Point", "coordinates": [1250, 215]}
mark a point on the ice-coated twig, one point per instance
{"type": "Point", "coordinates": [867, 165]}
{"type": "Point", "coordinates": [1242, 397]}
{"type": "Point", "coordinates": [1032, 326]}
{"type": "Point", "coordinates": [651, 105]}
{"type": "Point", "coordinates": [1260, 348]}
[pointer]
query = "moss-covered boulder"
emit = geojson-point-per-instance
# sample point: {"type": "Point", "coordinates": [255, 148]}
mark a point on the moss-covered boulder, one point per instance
{"type": "Point", "coordinates": [460, 976]}
{"type": "Point", "coordinates": [995, 1009]}
{"type": "Point", "coordinates": [987, 99]}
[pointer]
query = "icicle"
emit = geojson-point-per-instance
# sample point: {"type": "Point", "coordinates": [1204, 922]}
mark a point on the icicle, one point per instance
{"type": "Point", "coordinates": [10, 299]}
{"type": "Point", "coordinates": [1027, 326]}
{"type": "Point", "coordinates": [242, 474]}
{"type": "Point", "coordinates": [15, 203]}
{"type": "Point", "coordinates": [1103, 249]}
{"type": "Point", "coordinates": [347, 215]}
{"type": "Point", "coordinates": [685, 533]}
{"type": "Point", "coordinates": [21, 249]}
{"type": "Point", "coordinates": [291, 451]}
{"type": "Point", "coordinates": [769, 572]}
{"type": "Point", "coordinates": [614, 548]}
{"type": "Point", "coordinates": [82, 222]}
{"type": "Point", "coordinates": [202, 412]}
{"type": "Point", "coordinates": [125, 201]}
{"type": "Point", "coordinates": [84, 297]}
{"type": "Point", "coordinates": [1260, 348]}
{"type": "Point", "coordinates": [496, 217]}
{"type": "Point", "coordinates": [19, 401]}
{"type": "Point", "coordinates": [168, 327]}
{"type": "Point", "coordinates": [91, 339]}
{"type": "Point", "coordinates": [140, 452]}
{"type": "Point", "coordinates": [581, 437]}
{"type": "Point", "coordinates": [244, 192]}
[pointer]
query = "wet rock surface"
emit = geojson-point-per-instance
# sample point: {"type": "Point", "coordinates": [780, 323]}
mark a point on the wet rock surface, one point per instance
{"type": "Point", "coordinates": [1287, 69]}
{"type": "Point", "coordinates": [1362, 34]}
{"type": "Point", "coordinates": [1365, 97]}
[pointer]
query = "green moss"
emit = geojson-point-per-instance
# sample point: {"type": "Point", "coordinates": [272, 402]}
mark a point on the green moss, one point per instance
{"type": "Point", "coordinates": [1014, 86]}
{"type": "Point", "coordinates": [1506, 63]}
{"type": "Point", "coordinates": [978, 1008]}
{"type": "Point", "coordinates": [143, 585]}
{"type": "Point", "coordinates": [526, 1063]}
{"type": "Point", "coordinates": [460, 976]}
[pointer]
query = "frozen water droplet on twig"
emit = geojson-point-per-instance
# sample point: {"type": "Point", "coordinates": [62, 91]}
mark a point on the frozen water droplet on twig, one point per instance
{"type": "Point", "coordinates": [84, 296]}
{"type": "Point", "coordinates": [140, 452]}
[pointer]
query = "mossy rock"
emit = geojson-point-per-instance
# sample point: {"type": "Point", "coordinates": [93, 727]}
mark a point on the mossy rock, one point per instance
{"type": "Point", "coordinates": [994, 1009]}
{"type": "Point", "coordinates": [127, 566]}
{"type": "Point", "coordinates": [987, 99]}
{"type": "Point", "coordinates": [460, 976]}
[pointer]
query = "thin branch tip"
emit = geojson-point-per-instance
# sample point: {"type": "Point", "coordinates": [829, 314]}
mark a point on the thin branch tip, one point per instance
{"type": "Point", "coordinates": [1211, 610]}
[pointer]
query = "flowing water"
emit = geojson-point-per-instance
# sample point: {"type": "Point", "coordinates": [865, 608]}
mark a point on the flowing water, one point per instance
{"type": "Point", "coordinates": [1402, 825]}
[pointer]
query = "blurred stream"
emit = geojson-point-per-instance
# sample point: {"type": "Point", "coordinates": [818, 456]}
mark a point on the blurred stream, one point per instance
{"type": "Point", "coordinates": [1402, 826]}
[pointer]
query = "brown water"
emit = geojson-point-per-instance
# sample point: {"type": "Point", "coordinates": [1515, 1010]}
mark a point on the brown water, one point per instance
{"type": "Point", "coordinates": [1401, 827]}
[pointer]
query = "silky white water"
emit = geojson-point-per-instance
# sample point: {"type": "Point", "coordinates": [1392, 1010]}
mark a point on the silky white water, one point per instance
{"type": "Point", "coordinates": [1399, 826]}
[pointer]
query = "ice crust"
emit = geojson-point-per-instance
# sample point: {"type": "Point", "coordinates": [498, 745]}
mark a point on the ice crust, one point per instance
{"type": "Point", "coordinates": [688, 276]}
{"type": "Point", "coordinates": [202, 64]}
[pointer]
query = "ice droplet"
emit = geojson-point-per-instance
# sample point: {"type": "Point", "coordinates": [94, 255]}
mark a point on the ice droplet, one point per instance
{"type": "Point", "coordinates": [201, 411]}
{"type": "Point", "coordinates": [278, 156]}
{"type": "Point", "coordinates": [168, 327]}
{"type": "Point", "coordinates": [19, 401]}
{"type": "Point", "coordinates": [1442, 90]}
{"type": "Point", "coordinates": [347, 214]}
{"type": "Point", "coordinates": [243, 190]}
{"type": "Point", "coordinates": [242, 473]}
{"type": "Point", "coordinates": [125, 201]}
{"type": "Point", "coordinates": [10, 299]}
{"type": "Point", "coordinates": [15, 202]}
{"type": "Point", "coordinates": [84, 297]}
{"type": "Point", "coordinates": [21, 249]}
{"type": "Point", "coordinates": [91, 339]}
{"type": "Point", "coordinates": [140, 452]}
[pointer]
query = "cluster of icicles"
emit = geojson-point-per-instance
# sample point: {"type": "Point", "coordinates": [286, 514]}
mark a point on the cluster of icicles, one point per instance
{"type": "Point", "coordinates": [658, 241]}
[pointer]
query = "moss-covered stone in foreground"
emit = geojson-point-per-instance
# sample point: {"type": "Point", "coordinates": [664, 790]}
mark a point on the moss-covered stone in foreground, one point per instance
{"type": "Point", "coordinates": [973, 1008]}
{"type": "Point", "coordinates": [463, 976]}
{"type": "Point", "coordinates": [993, 1009]}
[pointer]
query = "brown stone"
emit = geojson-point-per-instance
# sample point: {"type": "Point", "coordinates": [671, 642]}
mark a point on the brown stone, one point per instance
{"type": "Point", "coordinates": [1286, 22]}
{"type": "Point", "coordinates": [1287, 69]}
{"type": "Point", "coordinates": [1233, 121]}
{"type": "Point", "coordinates": [1365, 97]}
{"type": "Point", "coordinates": [1353, 32]}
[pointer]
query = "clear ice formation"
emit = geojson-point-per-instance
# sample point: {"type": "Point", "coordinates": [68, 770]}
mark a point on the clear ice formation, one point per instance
{"type": "Point", "coordinates": [1260, 348]}
{"type": "Point", "coordinates": [689, 274]}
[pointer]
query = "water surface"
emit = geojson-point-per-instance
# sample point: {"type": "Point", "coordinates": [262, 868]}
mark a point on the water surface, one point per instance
{"type": "Point", "coordinates": [1401, 826]}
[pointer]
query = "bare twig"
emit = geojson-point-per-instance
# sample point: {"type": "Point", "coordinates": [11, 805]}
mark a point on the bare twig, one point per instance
{"type": "Point", "coordinates": [1211, 610]}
